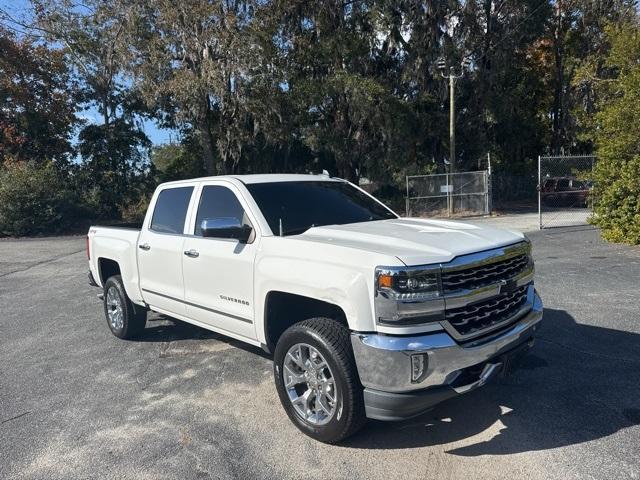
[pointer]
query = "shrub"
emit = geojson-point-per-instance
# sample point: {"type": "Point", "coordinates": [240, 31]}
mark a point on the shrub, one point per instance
{"type": "Point", "coordinates": [135, 211]}
{"type": "Point", "coordinates": [617, 209]}
{"type": "Point", "coordinates": [34, 200]}
{"type": "Point", "coordinates": [615, 129]}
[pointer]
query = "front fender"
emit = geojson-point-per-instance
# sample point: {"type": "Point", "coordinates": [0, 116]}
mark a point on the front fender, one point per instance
{"type": "Point", "coordinates": [340, 285]}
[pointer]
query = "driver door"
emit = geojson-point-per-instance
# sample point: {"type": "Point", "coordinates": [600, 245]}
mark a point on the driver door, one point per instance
{"type": "Point", "coordinates": [218, 272]}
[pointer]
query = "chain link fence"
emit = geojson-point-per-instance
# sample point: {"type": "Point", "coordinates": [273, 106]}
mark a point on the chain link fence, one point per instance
{"type": "Point", "coordinates": [448, 194]}
{"type": "Point", "coordinates": [565, 190]}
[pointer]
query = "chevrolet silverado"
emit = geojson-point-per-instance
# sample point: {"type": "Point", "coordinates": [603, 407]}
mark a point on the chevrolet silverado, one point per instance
{"type": "Point", "coordinates": [367, 315]}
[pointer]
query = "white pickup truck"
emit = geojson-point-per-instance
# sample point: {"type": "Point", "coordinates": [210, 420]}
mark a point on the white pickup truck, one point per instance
{"type": "Point", "coordinates": [367, 314]}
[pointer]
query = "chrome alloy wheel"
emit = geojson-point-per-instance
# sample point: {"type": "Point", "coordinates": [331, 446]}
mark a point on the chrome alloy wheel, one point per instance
{"type": "Point", "coordinates": [115, 310]}
{"type": "Point", "coordinates": [310, 384]}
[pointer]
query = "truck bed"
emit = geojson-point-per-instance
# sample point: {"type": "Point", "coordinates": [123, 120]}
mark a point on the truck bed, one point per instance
{"type": "Point", "coordinates": [117, 243]}
{"type": "Point", "coordinates": [128, 226]}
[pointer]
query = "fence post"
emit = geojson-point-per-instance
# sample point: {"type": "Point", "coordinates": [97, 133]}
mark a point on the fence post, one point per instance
{"type": "Point", "coordinates": [486, 193]}
{"type": "Point", "coordinates": [489, 185]}
{"type": "Point", "coordinates": [448, 196]}
{"type": "Point", "coordinates": [539, 195]}
{"type": "Point", "coordinates": [406, 203]}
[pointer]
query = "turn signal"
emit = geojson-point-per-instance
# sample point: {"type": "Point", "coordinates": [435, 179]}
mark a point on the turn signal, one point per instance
{"type": "Point", "coordinates": [385, 281]}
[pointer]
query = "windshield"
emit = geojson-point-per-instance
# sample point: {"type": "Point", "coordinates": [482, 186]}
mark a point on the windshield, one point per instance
{"type": "Point", "coordinates": [293, 207]}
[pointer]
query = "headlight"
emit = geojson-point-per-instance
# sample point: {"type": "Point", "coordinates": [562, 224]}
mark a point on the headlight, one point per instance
{"type": "Point", "coordinates": [408, 296]}
{"type": "Point", "coordinates": [404, 285]}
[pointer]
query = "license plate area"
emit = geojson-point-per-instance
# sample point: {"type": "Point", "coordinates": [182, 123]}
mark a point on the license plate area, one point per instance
{"type": "Point", "coordinates": [513, 358]}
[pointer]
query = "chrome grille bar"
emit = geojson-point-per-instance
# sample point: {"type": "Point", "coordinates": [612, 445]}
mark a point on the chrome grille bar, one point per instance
{"type": "Point", "coordinates": [484, 275]}
{"type": "Point", "coordinates": [486, 291]}
{"type": "Point", "coordinates": [486, 314]}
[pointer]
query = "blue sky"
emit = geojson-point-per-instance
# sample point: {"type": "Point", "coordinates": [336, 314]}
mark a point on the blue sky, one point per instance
{"type": "Point", "coordinates": [21, 9]}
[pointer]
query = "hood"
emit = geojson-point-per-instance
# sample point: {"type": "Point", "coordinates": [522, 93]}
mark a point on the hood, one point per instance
{"type": "Point", "coordinates": [414, 241]}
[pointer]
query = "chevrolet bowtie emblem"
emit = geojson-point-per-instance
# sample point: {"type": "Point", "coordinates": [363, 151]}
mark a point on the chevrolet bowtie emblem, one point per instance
{"type": "Point", "coordinates": [507, 286]}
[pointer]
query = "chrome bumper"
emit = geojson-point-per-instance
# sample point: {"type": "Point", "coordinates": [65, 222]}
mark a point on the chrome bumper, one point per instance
{"type": "Point", "coordinates": [384, 361]}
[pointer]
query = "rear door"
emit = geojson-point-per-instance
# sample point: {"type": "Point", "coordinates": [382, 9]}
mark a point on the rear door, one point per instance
{"type": "Point", "coordinates": [160, 249]}
{"type": "Point", "coordinates": [218, 272]}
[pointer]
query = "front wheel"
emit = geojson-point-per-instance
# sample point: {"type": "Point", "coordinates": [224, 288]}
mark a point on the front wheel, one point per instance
{"type": "Point", "coordinates": [317, 379]}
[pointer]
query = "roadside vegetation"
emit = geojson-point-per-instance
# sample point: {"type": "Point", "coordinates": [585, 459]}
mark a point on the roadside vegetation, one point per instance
{"type": "Point", "coordinates": [347, 87]}
{"type": "Point", "coordinates": [615, 130]}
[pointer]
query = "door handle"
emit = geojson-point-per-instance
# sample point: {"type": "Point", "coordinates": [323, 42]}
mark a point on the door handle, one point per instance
{"type": "Point", "coordinates": [191, 253]}
{"type": "Point", "coordinates": [144, 246]}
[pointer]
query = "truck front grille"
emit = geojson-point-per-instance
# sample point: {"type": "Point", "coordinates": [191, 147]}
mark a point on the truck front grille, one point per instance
{"type": "Point", "coordinates": [481, 276]}
{"type": "Point", "coordinates": [479, 316]}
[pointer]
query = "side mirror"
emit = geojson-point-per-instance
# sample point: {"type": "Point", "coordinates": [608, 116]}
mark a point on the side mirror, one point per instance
{"type": "Point", "coordinates": [225, 227]}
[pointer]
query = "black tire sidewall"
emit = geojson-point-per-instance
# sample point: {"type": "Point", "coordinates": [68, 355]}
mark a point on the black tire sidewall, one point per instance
{"type": "Point", "coordinates": [334, 430]}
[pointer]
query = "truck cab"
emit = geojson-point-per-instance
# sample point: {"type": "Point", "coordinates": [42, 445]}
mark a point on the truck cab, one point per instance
{"type": "Point", "coordinates": [367, 315]}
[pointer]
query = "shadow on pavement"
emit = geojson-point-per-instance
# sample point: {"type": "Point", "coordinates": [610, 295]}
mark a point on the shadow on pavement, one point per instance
{"type": "Point", "coordinates": [161, 328]}
{"type": "Point", "coordinates": [579, 383]}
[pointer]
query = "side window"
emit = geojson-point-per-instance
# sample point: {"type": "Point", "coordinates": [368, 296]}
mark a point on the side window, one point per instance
{"type": "Point", "coordinates": [563, 185]}
{"type": "Point", "coordinates": [171, 210]}
{"type": "Point", "coordinates": [218, 202]}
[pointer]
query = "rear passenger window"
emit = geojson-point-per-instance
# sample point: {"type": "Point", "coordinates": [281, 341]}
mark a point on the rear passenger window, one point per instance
{"type": "Point", "coordinates": [218, 202]}
{"type": "Point", "coordinates": [171, 210]}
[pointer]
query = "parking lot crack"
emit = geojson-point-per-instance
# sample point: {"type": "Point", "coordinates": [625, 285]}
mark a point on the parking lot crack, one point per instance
{"type": "Point", "coordinates": [15, 418]}
{"type": "Point", "coordinates": [37, 264]}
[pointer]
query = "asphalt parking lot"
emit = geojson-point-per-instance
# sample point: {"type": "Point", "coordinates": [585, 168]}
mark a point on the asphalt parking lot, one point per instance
{"type": "Point", "coordinates": [182, 402]}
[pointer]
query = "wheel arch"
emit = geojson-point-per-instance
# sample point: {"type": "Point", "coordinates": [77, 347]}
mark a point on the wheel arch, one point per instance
{"type": "Point", "coordinates": [283, 309]}
{"type": "Point", "coordinates": [107, 267]}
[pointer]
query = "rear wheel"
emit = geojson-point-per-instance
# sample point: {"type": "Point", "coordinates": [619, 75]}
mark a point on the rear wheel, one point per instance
{"type": "Point", "coordinates": [125, 319]}
{"type": "Point", "coordinates": [317, 379]}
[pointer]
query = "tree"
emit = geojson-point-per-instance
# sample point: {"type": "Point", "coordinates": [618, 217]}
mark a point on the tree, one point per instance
{"type": "Point", "coordinates": [114, 150]}
{"type": "Point", "coordinates": [114, 166]}
{"type": "Point", "coordinates": [615, 131]}
{"type": "Point", "coordinates": [37, 101]}
{"type": "Point", "coordinates": [177, 161]}
{"type": "Point", "coordinates": [193, 60]}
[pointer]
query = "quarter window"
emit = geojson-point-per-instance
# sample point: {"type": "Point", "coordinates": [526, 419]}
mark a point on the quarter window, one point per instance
{"type": "Point", "coordinates": [218, 202]}
{"type": "Point", "coordinates": [171, 210]}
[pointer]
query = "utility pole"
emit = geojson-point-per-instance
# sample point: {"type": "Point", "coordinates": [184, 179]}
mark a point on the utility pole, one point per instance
{"type": "Point", "coordinates": [452, 76]}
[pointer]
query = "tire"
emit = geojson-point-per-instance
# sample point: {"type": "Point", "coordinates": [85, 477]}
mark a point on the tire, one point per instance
{"type": "Point", "coordinates": [131, 319]}
{"type": "Point", "coordinates": [331, 342]}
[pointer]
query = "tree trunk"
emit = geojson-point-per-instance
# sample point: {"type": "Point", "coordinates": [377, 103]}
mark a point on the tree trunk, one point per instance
{"type": "Point", "coordinates": [207, 141]}
{"type": "Point", "coordinates": [208, 149]}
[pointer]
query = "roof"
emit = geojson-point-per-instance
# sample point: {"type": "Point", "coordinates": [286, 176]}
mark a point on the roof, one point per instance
{"type": "Point", "coordinates": [265, 178]}
{"type": "Point", "coordinates": [282, 177]}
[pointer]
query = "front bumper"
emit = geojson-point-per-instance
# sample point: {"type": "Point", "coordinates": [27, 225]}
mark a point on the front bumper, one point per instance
{"type": "Point", "coordinates": [384, 365]}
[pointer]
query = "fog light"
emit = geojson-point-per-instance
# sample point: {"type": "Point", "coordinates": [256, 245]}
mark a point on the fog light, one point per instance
{"type": "Point", "coordinates": [419, 365]}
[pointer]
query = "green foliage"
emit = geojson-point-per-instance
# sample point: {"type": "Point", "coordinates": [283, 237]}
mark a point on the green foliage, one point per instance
{"type": "Point", "coordinates": [615, 130]}
{"type": "Point", "coordinates": [114, 166]}
{"type": "Point", "coordinates": [134, 212]}
{"type": "Point", "coordinates": [177, 161]}
{"type": "Point", "coordinates": [35, 200]}
{"type": "Point", "coordinates": [298, 86]}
